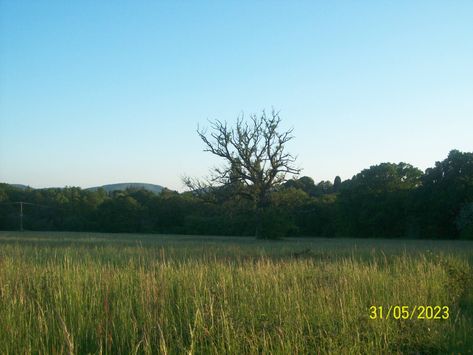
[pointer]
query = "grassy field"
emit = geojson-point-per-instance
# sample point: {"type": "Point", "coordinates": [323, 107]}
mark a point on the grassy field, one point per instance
{"type": "Point", "coordinates": [123, 294]}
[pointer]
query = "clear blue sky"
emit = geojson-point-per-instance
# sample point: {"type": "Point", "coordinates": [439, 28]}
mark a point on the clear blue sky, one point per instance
{"type": "Point", "coordinates": [95, 92]}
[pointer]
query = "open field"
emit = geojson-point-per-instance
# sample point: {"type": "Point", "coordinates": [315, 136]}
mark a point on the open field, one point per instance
{"type": "Point", "coordinates": [118, 293]}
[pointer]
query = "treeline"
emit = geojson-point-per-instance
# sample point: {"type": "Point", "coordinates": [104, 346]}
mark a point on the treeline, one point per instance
{"type": "Point", "coordinates": [384, 201]}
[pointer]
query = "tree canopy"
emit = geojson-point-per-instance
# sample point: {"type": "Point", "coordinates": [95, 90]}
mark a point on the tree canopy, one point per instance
{"type": "Point", "coordinates": [383, 201]}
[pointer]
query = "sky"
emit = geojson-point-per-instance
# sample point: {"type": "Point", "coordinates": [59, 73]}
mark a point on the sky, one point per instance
{"type": "Point", "coordinates": [98, 92]}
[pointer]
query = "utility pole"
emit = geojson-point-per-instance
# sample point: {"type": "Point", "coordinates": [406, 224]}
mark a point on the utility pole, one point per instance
{"type": "Point", "coordinates": [21, 203]}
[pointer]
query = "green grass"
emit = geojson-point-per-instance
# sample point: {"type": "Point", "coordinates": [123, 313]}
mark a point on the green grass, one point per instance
{"type": "Point", "coordinates": [117, 293]}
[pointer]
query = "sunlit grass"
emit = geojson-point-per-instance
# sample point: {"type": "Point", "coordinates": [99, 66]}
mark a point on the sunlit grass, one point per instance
{"type": "Point", "coordinates": [96, 293]}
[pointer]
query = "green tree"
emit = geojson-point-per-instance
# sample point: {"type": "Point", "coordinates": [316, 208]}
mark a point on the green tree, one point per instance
{"type": "Point", "coordinates": [446, 189]}
{"type": "Point", "coordinates": [281, 215]}
{"type": "Point", "coordinates": [337, 183]}
{"type": "Point", "coordinates": [373, 202]}
{"type": "Point", "coordinates": [120, 214]}
{"type": "Point", "coordinates": [304, 183]}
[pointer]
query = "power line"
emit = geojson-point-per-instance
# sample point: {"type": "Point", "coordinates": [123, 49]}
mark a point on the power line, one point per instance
{"type": "Point", "coordinates": [25, 203]}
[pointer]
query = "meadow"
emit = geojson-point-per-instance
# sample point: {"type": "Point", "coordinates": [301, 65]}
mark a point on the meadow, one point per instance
{"type": "Point", "coordinates": [91, 293]}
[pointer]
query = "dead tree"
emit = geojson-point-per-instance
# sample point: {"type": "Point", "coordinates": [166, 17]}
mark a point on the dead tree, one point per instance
{"type": "Point", "coordinates": [255, 159]}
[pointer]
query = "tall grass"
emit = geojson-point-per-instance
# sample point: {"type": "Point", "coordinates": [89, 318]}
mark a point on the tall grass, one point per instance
{"type": "Point", "coordinates": [92, 293]}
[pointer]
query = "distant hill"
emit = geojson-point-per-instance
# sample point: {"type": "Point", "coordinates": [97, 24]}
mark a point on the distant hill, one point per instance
{"type": "Point", "coordinates": [128, 185]}
{"type": "Point", "coordinates": [110, 187]}
{"type": "Point", "coordinates": [20, 186]}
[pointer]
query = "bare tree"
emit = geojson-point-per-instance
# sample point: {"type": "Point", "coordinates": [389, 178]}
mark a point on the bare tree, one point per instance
{"type": "Point", "coordinates": [255, 158]}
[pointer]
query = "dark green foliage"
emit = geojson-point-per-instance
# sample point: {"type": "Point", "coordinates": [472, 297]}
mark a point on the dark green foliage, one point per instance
{"type": "Point", "coordinates": [373, 202]}
{"type": "Point", "coordinates": [446, 189]}
{"type": "Point", "coordinates": [387, 200]}
{"type": "Point", "coordinates": [336, 183]}
{"type": "Point", "coordinates": [464, 221]}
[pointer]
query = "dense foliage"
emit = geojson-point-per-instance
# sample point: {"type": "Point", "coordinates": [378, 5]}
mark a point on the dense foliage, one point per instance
{"type": "Point", "coordinates": [386, 200]}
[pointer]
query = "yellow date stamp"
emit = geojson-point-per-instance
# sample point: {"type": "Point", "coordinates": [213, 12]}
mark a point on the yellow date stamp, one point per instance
{"type": "Point", "coordinates": [409, 312]}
